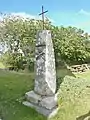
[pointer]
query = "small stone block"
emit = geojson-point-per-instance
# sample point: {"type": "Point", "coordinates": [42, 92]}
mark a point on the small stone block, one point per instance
{"type": "Point", "coordinates": [48, 102]}
{"type": "Point", "coordinates": [46, 112]}
{"type": "Point", "coordinates": [33, 97]}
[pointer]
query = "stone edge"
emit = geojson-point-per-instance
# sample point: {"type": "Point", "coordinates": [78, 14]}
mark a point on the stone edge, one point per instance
{"type": "Point", "coordinates": [41, 110]}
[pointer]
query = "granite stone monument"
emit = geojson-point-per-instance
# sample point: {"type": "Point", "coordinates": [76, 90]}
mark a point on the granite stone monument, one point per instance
{"type": "Point", "coordinates": [43, 98]}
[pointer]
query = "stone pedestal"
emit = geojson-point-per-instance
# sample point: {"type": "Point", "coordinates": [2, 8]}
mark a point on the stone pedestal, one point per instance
{"type": "Point", "coordinates": [43, 97]}
{"type": "Point", "coordinates": [43, 104]}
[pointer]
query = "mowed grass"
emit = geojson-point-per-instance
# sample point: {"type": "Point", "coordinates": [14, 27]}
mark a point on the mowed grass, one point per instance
{"type": "Point", "coordinates": [73, 99]}
{"type": "Point", "coordinates": [74, 96]}
{"type": "Point", "coordinates": [12, 90]}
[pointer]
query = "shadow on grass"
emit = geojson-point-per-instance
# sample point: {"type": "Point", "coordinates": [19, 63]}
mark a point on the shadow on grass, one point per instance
{"type": "Point", "coordinates": [61, 73]}
{"type": "Point", "coordinates": [84, 117]}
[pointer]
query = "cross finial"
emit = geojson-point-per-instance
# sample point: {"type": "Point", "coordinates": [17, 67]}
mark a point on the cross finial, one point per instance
{"type": "Point", "coordinates": [43, 15]}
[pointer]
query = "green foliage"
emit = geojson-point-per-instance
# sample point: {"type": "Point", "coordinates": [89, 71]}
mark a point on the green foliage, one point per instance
{"type": "Point", "coordinates": [19, 35]}
{"type": "Point", "coordinates": [69, 45]}
{"type": "Point", "coordinates": [1, 65]}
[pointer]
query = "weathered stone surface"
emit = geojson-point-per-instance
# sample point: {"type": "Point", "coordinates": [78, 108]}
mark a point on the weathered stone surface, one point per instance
{"type": "Point", "coordinates": [48, 113]}
{"type": "Point", "coordinates": [45, 81]}
{"type": "Point", "coordinates": [43, 98]}
{"type": "Point", "coordinates": [48, 102]}
{"type": "Point", "coordinates": [33, 97]}
{"type": "Point", "coordinates": [79, 68]}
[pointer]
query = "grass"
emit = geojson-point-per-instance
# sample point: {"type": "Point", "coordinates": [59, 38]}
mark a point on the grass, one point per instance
{"type": "Point", "coordinates": [12, 89]}
{"type": "Point", "coordinates": [74, 96]}
{"type": "Point", "coordinates": [73, 99]}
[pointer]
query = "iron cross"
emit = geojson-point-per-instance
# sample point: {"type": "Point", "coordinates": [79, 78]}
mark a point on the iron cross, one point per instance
{"type": "Point", "coordinates": [43, 15]}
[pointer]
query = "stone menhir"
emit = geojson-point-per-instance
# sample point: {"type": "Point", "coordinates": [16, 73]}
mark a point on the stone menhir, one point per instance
{"type": "Point", "coordinates": [45, 82]}
{"type": "Point", "coordinates": [43, 97]}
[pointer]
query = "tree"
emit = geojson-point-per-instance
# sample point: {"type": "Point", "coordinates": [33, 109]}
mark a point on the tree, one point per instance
{"type": "Point", "coordinates": [69, 45]}
{"type": "Point", "coordinates": [19, 36]}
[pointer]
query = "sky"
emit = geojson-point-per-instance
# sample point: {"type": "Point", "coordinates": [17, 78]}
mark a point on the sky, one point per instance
{"type": "Point", "coordinates": [60, 12]}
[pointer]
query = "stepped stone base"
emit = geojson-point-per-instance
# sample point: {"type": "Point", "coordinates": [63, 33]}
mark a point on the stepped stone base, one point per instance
{"type": "Point", "coordinates": [46, 112]}
{"type": "Point", "coordinates": [43, 98]}
{"type": "Point", "coordinates": [46, 105]}
{"type": "Point", "coordinates": [31, 96]}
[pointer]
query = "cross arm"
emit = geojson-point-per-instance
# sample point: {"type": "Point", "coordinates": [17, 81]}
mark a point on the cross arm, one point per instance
{"type": "Point", "coordinates": [43, 12]}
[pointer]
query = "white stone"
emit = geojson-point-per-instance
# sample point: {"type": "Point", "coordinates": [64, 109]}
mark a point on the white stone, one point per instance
{"type": "Point", "coordinates": [33, 97]}
{"type": "Point", "coordinates": [48, 102]}
{"type": "Point", "coordinates": [43, 98]}
{"type": "Point", "coordinates": [46, 112]}
{"type": "Point", "coordinates": [45, 80]}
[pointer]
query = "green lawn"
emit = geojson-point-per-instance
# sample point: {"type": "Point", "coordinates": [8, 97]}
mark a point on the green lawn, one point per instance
{"type": "Point", "coordinates": [12, 89]}
{"type": "Point", "coordinates": [73, 99]}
